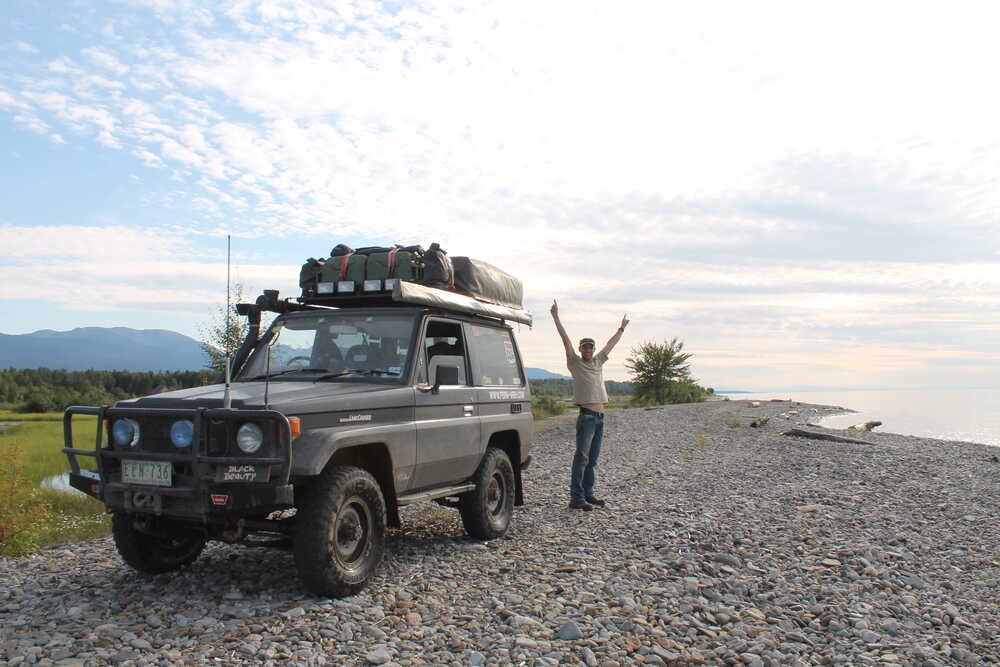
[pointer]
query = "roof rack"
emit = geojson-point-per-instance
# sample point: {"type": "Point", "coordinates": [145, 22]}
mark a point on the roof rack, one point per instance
{"type": "Point", "coordinates": [405, 293]}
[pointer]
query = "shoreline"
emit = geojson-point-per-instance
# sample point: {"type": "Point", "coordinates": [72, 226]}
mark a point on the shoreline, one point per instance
{"type": "Point", "coordinates": [947, 415]}
{"type": "Point", "coordinates": [721, 543]}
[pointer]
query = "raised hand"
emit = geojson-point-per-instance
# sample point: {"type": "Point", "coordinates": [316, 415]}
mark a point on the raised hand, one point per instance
{"type": "Point", "coordinates": [554, 309]}
{"type": "Point", "coordinates": [624, 321]}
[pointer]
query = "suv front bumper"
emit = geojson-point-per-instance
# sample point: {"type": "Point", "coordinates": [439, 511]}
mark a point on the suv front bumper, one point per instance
{"type": "Point", "coordinates": [197, 489]}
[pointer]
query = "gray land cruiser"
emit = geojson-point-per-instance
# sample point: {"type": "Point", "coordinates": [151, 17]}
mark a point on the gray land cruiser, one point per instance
{"type": "Point", "coordinates": [334, 419]}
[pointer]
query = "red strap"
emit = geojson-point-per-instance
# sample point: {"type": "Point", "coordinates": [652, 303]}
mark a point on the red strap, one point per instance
{"type": "Point", "coordinates": [343, 264]}
{"type": "Point", "coordinates": [392, 262]}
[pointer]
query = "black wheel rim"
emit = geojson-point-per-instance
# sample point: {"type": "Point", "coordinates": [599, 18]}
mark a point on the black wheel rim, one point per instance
{"type": "Point", "coordinates": [496, 495]}
{"type": "Point", "coordinates": [351, 533]}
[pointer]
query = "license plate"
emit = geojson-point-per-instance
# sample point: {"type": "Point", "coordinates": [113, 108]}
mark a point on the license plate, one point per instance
{"type": "Point", "coordinates": [155, 473]}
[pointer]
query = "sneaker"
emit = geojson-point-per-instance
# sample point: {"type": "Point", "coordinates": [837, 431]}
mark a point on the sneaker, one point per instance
{"type": "Point", "coordinates": [596, 501]}
{"type": "Point", "coordinates": [579, 505]}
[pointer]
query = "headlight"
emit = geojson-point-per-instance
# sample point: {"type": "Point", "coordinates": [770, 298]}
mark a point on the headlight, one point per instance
{"type": "Point", "coordinates": [249, 438]}
{"type": "Point", "coordinates": [125, 432]}
{"type": "Point", "coordinates": [182, 433]}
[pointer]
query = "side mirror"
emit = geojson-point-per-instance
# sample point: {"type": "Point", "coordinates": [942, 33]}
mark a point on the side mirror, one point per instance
{"type": "Point", "coordinates": [446, 374]}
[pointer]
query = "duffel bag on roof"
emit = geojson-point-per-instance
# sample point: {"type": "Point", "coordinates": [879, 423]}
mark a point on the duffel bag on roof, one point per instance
{"type": "Point", "coordinates": [399, 262]}
{"type": "Point", "coordinates": [486, 282]}
{"type": "Point", "coordinates": [346, 268]}
{"type": "Point", "coordinates": [309, 275]}
{"type": "Point", "coordinates": [438, 271]}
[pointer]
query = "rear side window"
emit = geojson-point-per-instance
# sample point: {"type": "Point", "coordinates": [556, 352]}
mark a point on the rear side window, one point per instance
{"type": "Point", "coordinates": [494, 359]}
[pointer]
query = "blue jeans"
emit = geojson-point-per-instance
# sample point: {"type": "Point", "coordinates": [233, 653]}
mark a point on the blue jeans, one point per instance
{"type": "Point", "coordinates": [589, 433]}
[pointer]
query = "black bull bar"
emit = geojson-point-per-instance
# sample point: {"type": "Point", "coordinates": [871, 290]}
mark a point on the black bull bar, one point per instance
{"type": "Point", "coordinates": [198, 495]}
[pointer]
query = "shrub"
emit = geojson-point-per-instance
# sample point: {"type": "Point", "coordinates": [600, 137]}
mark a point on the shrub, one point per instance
{"type": "Point", "coordinates": [545, 406]}
{"type": "Point", "coordinates": [39, 401]}
{"type": "Point", "coordinates": [643, 401]}
{"type": "Point", "coordinates": [22, 509]}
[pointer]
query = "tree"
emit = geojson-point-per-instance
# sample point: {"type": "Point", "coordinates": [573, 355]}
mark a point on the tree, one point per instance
{"type": "Point", "coordinates": [661, 374]}
{"type": "Point", "coordinates": [223, 336]}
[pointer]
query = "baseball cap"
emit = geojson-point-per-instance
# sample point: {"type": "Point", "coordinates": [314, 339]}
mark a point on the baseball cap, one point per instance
{"type": "Point", "coordinates": [586, 341]}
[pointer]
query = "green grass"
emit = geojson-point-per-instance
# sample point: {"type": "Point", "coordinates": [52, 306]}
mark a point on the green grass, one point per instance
{"type": "Point", "coordinates": [11, 416]}
{"type": "Point", "coordinates": [32, 516]}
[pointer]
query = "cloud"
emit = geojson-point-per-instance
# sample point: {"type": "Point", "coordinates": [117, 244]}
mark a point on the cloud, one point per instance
{"type": "Point", "coordinates": [24, 47]}
{"type": "Point", "coordinates": [735, 182]}
{"type": "Point", "coordinates": [105, 60]}
{"type": "Point", "coordinates": [122, 268]}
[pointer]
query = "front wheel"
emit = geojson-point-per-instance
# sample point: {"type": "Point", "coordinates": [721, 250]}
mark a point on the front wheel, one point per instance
{"type": "Point", "coordinates": [340, 532]}
{"type": "Point", "coordinates": [487, 510]}
{"type": "Point", "coordinates": [155, 546]}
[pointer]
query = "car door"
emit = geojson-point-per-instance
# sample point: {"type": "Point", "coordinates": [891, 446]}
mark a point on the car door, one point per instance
{"type": "Point", "coordinates": [501, 393]}
{"type": "Point", "coordinates": [447, 420]}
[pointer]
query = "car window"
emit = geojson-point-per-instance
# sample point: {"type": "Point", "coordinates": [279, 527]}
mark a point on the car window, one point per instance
{"type": "Point", "coordinates": [343, 342]}
{"type": "Point", "coordinates": [443, 344]}
{"type": "Point", "coordinates": [494, 357]}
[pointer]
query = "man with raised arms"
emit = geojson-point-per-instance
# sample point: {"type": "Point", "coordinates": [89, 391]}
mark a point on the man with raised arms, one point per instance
{"type": "Point", "coordinates": [590, 395]}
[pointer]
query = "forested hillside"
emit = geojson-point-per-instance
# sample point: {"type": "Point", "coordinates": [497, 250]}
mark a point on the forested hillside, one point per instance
{"type": "Point", "coordinates": [45, 390]}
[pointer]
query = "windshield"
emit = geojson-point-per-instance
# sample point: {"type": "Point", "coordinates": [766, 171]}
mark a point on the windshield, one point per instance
{"type": "Point", "coordinates": [333, 345]}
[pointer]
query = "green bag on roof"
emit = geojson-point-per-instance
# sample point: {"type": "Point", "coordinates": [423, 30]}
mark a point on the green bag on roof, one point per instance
{"type": "Point", "coordinates": [399, 262]}
{"type": "Point", "coordinates": [350, 267]}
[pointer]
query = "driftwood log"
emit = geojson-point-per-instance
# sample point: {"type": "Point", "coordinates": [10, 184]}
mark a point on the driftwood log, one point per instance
{"type": "Point", "coordinates": [815, 435]}
{"type": "Point", "coordinates": [867, 426]}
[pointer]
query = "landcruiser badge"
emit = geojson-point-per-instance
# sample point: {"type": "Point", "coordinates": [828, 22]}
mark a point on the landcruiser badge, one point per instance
{"type": "Point", "coordinates": [354, 419]}
{"type": "Point", "coordinates": [220, 498]}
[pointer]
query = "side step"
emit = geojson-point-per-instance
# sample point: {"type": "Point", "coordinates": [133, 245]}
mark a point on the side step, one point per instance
{"type": "Point", "coordinates": [431, 494]}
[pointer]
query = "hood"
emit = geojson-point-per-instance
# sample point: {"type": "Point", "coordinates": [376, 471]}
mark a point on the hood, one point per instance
{"type": "Point", "coordinates": [285, 396]}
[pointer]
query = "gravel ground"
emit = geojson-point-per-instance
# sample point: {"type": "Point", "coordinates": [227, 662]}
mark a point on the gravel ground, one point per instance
{"type": "Point", "coordinates": [721, 544]}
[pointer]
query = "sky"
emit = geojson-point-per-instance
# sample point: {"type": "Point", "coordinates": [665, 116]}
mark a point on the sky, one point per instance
{"type": "Point", "coordinates": [806, 195]}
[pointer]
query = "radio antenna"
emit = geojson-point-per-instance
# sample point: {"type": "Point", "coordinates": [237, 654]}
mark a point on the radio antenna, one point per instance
{"type": "Point", "coordinates": [227, 399]}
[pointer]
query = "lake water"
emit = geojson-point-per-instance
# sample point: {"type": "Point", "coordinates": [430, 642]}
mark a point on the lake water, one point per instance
{"type": "Point", "coordinates": [972, 415]}
{"type": "Point", "coordinates": [60, 483]}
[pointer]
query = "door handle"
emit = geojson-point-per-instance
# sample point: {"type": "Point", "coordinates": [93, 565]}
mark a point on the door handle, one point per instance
{"type": "Point", "coordinates": [468, 410]}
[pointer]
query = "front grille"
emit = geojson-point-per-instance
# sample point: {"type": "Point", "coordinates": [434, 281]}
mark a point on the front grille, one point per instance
{"type": "Point", "coordinates": [219, 436]}
{"type": "Point", "coordinates": [155, 436]}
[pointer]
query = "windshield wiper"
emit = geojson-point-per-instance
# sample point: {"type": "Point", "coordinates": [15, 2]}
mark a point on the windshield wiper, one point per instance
{"type": "Point", "coordinates": [285, 372]}
{"type": "Point", "coordinates": [359, 371]}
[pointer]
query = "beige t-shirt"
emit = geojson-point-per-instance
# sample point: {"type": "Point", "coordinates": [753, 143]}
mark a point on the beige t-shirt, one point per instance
{"type": "Point", "coordinates": [588, 379]}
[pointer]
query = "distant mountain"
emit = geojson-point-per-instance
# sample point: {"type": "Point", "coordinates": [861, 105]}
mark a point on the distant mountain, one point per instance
{"type": "Point", "coordinates": [542, 374]}
{"type": "Point", "coordinates": [101, 348]}
{"type": "Point", "coordinates": [123, 349]}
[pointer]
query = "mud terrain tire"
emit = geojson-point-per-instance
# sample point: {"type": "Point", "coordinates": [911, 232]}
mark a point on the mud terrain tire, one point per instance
{"type": "Point", "coordinates": [154, 554]}
{"type": "Point", "coordinates": [340, 532]}
{"type": "Point", "coordinates": [487, 510]}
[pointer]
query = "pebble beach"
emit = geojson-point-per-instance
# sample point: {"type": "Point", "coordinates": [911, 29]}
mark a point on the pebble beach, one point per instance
{"type": "Point", "coordinates": [722, 543]}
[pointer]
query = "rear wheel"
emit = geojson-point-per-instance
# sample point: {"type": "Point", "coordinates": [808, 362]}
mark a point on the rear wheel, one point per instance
{"type": "Point", "coordinates": [487, 510]}
{"type": "Point", "coordinates": [155, 545]}
{"type": "Point", "coordinates": [340, 532]}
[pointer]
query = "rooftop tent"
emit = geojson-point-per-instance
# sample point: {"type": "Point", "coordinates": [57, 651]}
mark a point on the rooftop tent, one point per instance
{"type": "Point", "coordinates": [413, 293]}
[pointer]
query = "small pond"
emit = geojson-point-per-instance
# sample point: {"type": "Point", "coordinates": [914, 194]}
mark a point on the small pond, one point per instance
{"type": "Point", "coordinates": [60, 483]}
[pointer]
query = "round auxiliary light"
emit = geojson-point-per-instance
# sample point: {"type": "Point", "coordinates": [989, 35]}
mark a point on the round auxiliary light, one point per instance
{"type": "Point", "coordinates": [249, 438]}
{"type": "Point", "coordinates": [125, 432]}
{"type": "Point", "coordinates": [182, 433]}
